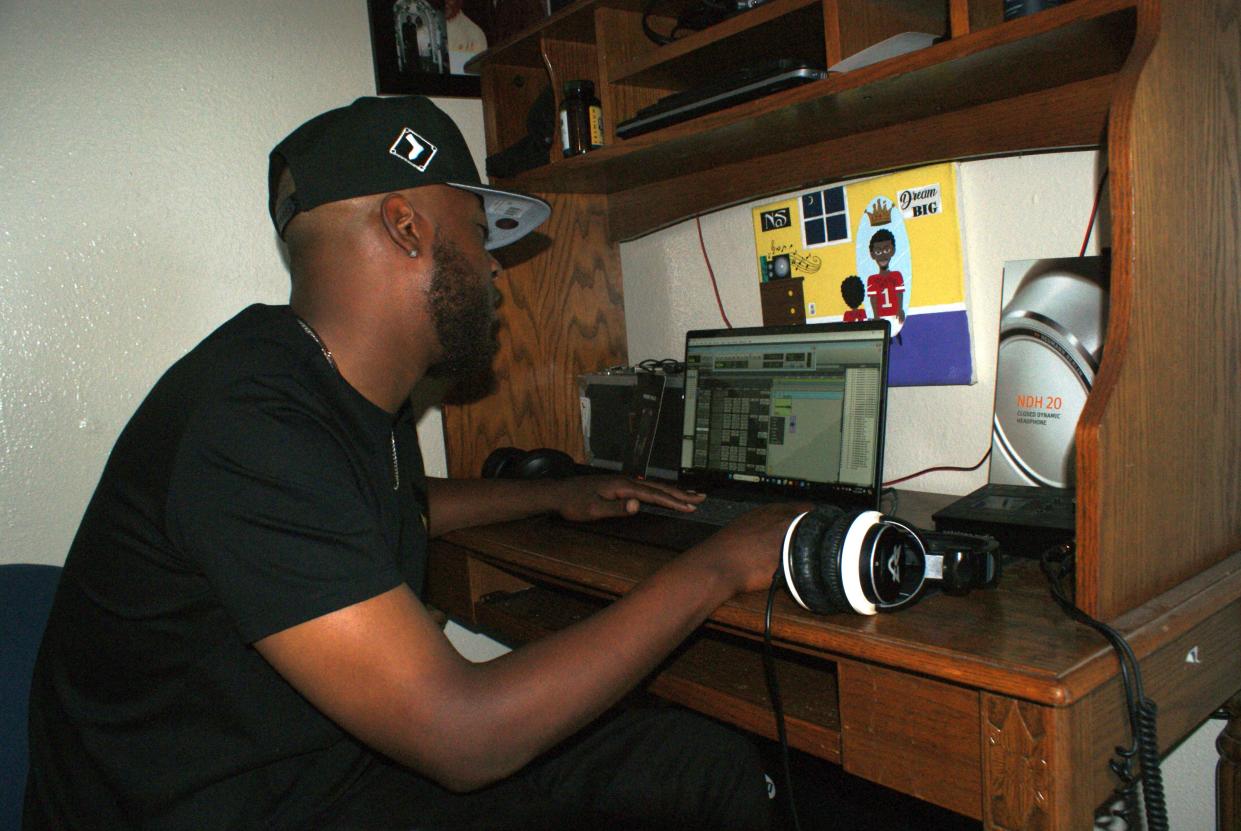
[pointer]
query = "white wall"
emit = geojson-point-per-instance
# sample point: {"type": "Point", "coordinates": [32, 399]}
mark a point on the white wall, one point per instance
{"type": "Point", "coordinates": [133, 221]}
{"type": "Point", "coordinates": [133, 212]}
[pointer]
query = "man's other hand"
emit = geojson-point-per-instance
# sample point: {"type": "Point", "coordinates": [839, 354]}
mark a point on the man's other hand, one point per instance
{"type": "Point", "coordinates": [583, 498]}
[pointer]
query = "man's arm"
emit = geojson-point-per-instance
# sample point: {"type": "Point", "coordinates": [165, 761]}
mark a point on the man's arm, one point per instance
{"type": "Point", "coordinates": [460, 503]}
{"type": "Point", "coordinates": [383, 670]}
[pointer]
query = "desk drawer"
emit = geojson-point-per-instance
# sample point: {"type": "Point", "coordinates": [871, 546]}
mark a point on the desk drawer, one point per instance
{"type": "Point", "coordinates": [912, 734]}
{"type": "Point", "coordinates": [713, 672]}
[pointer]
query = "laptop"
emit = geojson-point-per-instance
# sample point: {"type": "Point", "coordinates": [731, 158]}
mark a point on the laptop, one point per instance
{"type": "Point", "coordinates": [774, 413]}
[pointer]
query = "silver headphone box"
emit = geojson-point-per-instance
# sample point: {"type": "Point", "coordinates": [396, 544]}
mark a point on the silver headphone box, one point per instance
{"type": "Point", "coordinates": [632, 421]}
{"type": "Point", "coordinates": [1052, 326]}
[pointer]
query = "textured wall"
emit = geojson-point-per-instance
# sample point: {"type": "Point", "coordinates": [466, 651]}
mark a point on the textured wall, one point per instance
{"type": "Point", "coordinates": [133, 214]}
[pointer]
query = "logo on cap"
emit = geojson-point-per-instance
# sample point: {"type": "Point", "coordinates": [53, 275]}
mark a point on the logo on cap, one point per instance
{"type": "Point", "coordinates": [414, 149]}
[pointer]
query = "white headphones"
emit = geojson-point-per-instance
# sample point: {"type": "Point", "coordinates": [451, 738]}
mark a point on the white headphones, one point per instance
{"type": "Point", "coordinates": [866, 562]}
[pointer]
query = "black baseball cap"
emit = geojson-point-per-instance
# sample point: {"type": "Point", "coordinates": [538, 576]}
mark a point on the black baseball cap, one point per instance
{"type": "Point", "coordinates": [379, 145]}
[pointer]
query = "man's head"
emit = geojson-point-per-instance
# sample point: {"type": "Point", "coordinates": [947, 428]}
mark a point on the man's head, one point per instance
{"type": "Point", "coordinates": [390, 236]}
{"type": "Point", "coordinates": [380, 145]}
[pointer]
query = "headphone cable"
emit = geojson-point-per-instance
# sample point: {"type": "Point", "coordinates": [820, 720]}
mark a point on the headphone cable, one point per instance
{"type": "Point", "coordinates": [1057, 562]}
{"type": "Point", "coordinates": [773, 689]}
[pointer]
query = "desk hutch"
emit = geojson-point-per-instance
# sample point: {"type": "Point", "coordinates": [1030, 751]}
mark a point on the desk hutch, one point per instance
{"type": "Point", "coordinates": [1158, 85]}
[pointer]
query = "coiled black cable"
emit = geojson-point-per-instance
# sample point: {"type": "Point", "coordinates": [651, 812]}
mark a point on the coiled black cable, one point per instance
{"type": "Point", "coordinates": [1152, 777]}
{"type": "Point", "coordinates": [1057, 563]}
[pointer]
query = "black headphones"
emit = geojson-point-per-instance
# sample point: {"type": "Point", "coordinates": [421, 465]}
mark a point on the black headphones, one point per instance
{"type": "Point", "coordinates": [867, 562]}
{"type": "Point", "coordinates": [515, 463]}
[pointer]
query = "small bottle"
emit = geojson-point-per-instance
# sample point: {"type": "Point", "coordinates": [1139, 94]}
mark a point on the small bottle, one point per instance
{"type": "Point", "coordinates": [581, 119]}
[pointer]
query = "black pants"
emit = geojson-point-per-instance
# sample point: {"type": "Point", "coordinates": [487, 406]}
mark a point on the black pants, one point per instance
{"type": "Point", "coordinates": [635, 769]}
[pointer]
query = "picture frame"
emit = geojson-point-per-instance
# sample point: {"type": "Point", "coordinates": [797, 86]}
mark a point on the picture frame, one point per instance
{"type": "Point", "coordinates": [410, 42]}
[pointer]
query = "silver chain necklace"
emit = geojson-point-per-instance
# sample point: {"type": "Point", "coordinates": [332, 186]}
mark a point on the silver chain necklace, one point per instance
{"type": "Point", "coordinates": [327, 354]}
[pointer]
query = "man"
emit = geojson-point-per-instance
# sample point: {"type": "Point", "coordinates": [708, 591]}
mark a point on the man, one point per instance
{"type": "Point", "coordinates": [238, 639]}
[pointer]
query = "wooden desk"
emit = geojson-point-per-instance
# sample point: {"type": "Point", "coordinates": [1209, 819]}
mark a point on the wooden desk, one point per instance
{"type": "Point", "coordinates": [999, 684]}
{"type": "Point", "coordinates": [996, 705]}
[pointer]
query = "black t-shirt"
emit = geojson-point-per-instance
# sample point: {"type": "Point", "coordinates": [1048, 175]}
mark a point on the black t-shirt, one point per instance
{"type": "Point", "coordinates": [253, 490]}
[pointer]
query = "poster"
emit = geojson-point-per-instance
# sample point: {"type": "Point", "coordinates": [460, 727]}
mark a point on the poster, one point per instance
{"type": "Point", "coordinates": [884, 247]}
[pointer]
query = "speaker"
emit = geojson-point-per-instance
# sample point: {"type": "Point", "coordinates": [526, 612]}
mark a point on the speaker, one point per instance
{"type": "Point", "coordinates": [632, 421]}
{"type": "Point", "coordinates": [514, 463]}
{"type": "Point", "coordinates": [866, 562]}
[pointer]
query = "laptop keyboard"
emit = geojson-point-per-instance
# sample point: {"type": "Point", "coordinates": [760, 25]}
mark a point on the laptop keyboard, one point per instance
{"type": "Point", "coordinates": [714, 510]}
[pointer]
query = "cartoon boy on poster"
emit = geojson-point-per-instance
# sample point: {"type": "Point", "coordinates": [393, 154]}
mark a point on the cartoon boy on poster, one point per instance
{"type": "Point", "coordinates": [885, 256]}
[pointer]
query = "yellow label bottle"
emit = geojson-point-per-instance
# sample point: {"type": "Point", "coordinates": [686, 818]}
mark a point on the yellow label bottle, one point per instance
{"type": "Point", "coordinates": [581, 119]}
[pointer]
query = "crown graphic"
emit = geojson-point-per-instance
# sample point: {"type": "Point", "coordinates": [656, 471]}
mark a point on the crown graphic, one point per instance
{"type": "Point", "coordinates": [881, 213]}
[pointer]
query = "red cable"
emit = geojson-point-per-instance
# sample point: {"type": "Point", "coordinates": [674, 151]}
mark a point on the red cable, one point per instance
{"type": "Point", "coordinates": [891, 482]}
{"type": "Point", "coordinates": [1093, 211]}
{"type": "Point", "coordinates": [714, 286]}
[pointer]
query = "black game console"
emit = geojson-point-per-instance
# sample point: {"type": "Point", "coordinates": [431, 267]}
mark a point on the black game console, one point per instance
{"type": "Point", "coordinates": [1024, 520]}
{"type": "Point", "coordinates": [731, 88]}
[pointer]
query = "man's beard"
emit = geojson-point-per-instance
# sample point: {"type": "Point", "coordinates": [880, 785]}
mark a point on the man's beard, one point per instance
{"type": "Point", "coordinates": [462, 310]}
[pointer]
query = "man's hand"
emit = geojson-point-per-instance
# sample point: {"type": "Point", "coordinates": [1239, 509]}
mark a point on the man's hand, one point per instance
{"type": "Point", "coordinates": [583, 498]}
{"type": "Point", "coordinates": [460, 503]}
{"type": "Point", "coordinates": [748, 549]}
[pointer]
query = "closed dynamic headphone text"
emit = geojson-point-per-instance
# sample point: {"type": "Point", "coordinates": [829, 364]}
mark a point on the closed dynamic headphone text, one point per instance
{"type": "Point", "coordinates": [867, 562]}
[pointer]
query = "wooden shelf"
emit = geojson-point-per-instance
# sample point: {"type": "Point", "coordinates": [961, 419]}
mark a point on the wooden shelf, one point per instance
{"type": "Point", "coordinates": [975, 94]}
{"type": "Point", "coordinates": [788, 28]}
{"type": "Point", "coordinates": [1150, 81]}
{"type": "Point", "coordinates": [575, 22]}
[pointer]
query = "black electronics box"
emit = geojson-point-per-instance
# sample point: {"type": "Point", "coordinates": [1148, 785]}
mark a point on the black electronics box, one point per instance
{"type": "Point", "coordinates": [632, 421]}
{"type": "Point", "coordinates": [1024, 520]}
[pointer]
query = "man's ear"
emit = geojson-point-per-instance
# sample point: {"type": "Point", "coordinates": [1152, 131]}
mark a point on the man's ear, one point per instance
{"type": "Point", "coordinates": [407, 227]}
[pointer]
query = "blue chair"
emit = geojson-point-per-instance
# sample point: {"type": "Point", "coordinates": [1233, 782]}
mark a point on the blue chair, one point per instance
{"type": "Point", "coordinates": [25, 599]}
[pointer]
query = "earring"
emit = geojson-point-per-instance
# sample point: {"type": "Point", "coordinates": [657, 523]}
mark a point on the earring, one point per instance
{"type": "Point", "coordinates": [413, 253]}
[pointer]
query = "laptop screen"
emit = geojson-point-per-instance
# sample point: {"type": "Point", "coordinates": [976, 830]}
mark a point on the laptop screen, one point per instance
{"type": "Point", "coordinates": [788, 410]}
